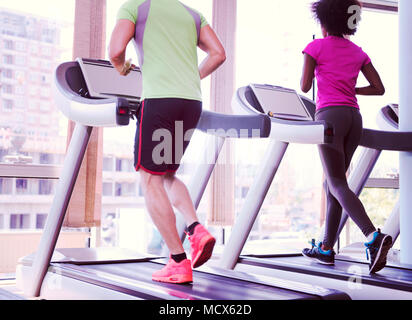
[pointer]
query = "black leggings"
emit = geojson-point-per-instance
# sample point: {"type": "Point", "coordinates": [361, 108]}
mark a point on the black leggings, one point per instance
{"type": "Point", "coordinates": [336, 157]}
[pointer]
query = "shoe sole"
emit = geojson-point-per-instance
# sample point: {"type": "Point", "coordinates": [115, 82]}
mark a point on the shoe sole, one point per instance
{"type": "Point", "coordinates": [380, 261]}
{"type": "Point", "coordinates": [177, 278]}
{"type": "Point", "coordinates": [205, 252]}
{"type": "Point", "coordinates": [319, 261]}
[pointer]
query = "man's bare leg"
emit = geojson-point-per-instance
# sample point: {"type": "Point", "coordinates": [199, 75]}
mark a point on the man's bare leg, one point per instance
{"type": "Point", "coordinates": [202, 242]}
{"type": "Point", "coordinates": [180, 198]}
{"type": "Point", "coordinates": [160, 210]}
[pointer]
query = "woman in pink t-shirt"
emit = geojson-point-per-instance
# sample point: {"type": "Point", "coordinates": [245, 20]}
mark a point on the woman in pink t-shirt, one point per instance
{"type": "Point", "coordinates": [336, 62]}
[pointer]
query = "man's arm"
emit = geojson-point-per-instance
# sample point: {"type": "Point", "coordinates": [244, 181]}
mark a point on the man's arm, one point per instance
{"type": "Point", "coordinates": [216, 56]}
{"type": "Point", "coordinates": [122, 33]}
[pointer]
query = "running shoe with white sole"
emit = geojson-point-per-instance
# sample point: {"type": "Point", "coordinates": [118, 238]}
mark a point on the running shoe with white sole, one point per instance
{"type": "Point", "coordinates": [202, 244]}
{"type": "Point", "coordinates": [175, 272]}
{"type": "Point", "coordinates": [377, 250]}
{"type": "Point", "coordinates": [316, 253]}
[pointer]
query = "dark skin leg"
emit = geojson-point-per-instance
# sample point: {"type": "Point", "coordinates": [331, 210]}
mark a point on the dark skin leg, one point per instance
{"type": "Point", "coordinates": [375, 87]}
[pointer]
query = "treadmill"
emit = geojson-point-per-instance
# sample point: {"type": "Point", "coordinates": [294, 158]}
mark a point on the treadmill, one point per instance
{"type": "Point", "coordinates": [115, 273]}
{"type": "Point", "coordinates": [7, 295]}
{"type": "Point", "coordinates": [349, 274]}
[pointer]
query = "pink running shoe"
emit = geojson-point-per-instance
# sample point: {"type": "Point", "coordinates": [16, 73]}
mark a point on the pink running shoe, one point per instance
{"type": "Point", "coordinates": [202, 243]}
{"type": "Point", "coordinates": [174, 272]}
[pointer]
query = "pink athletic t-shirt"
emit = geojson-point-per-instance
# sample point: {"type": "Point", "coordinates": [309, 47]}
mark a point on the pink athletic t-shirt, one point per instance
{"type": "Point", "coordinates": [338, 63]}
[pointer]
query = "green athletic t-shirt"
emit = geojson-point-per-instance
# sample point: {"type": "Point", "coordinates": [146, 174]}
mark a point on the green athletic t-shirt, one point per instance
{"type": "Point", "coordinates": [166, 39]}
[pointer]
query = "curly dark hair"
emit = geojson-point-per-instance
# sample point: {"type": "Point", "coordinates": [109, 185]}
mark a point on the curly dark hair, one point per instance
{"type": "Point", "coordinates": [336, 17]}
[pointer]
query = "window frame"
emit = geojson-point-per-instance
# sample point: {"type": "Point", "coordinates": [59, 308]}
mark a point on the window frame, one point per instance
{"type": "Point", "coordinates": [30, 171]}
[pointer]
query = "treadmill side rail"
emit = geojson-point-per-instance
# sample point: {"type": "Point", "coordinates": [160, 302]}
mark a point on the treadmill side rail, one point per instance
{"type": "Point", "coordinates": [71, 165]}
{"type": "Point", "coordinates": [385, 140]}
{"type": "Point", "coordinates": [235, 126]}
{"type": "Point", "coordinates": [313, 132]}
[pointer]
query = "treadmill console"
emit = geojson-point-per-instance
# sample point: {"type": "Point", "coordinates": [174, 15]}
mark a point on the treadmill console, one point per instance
{"type": "Point", "coordinates": [274, 101]}
{"type": "Point", "coordinates": [279, 102]}
{"type": "Point", "coordinates": [103, 81]}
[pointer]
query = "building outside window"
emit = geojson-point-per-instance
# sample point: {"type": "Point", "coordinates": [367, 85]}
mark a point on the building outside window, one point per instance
{"type": "Point", "coordinates": [45, 187]}
{"type": "Point", "coordinates": [22, 186]}
{"type": "Point", "coordinates": [7, 73]}
{"type": "Point", "coordinates": [7, 59]}
{"type": "Point", "coordinates": [8, 44]}
{"type": "Point", "coordinates": [19, 221]}
{"type": "Point", "coordinates": [21, 36]}
{"type": "Point", "coordinates": [107, 189]}
{"type": "Point", "coordinates": [7, 88]}
{"type": "Point", "coordinates": [21, 46]}
{"type": "Point", "coordinates": [8, 105]}
{"type": "Point", "coordinates": [6, 186]}
{"type": "Point", "coordinates": [41, 220]}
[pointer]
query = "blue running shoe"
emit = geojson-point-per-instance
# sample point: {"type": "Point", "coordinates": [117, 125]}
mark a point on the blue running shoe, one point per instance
{"type": "Point", "coordinates": [316, 253]}
{"type": "Point", "coordinates": [377, 250]}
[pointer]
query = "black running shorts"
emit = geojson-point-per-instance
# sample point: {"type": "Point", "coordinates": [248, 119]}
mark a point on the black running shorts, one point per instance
{"type": "Point", "coordinates": [164, 129]}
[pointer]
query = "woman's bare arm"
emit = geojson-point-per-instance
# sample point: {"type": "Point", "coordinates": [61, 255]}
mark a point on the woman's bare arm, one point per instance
{"type": "Point", "coordinates": [308, 73]}
{"type": "Point", "coordinates": [376, 87]}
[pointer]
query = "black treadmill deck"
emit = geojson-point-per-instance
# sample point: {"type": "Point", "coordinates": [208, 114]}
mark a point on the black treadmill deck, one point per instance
{"type": "Point", "coordinates": [390, 277]}
{"type": "Point", "coordinates": [135, 279]}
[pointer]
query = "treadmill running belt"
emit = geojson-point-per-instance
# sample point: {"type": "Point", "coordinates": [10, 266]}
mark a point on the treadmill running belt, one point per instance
{"type": "Point", "coordinates": [389, 277]}
{"type": "Point", "coordinates": [6, 295]}
{"type": "Point", "coordinates": [136, 279]}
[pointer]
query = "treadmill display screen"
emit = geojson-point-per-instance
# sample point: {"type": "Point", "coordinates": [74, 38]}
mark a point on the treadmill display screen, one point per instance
{"type": "Point", "coordinates": [104, 81]}
{"type": "Point", "coordinates": [281, 102]}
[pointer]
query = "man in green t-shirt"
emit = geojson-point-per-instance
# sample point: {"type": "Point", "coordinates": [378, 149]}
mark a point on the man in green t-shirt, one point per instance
{"type": "Point", "coordinates": [166, 34]}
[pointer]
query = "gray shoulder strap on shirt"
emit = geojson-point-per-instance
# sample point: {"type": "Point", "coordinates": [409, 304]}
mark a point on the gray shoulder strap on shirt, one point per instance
{"type": "Point", "coordinates": [197, 19]}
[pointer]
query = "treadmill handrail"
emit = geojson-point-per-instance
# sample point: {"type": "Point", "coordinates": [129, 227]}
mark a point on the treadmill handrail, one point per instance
{"type": "Point", "coordinates": [222, 125]}
{"type": "Point", "coordinates": [234, 126]}
{"type": "Point", "coordinates": [306, 132]}
{"type": "Point", "coordinates": [388, 115]}
{"type": "Point", "coordinates": [384, 140]}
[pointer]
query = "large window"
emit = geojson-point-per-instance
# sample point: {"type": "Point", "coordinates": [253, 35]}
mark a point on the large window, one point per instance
{"type": "Point", "coordinates": [271, 35]}
{"type": "Point", "coordinates": [54, 26]}
{"type": "Point", "coordinates": [270, 38]}
{"type": "Point", "coordinates": [35, 37]}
